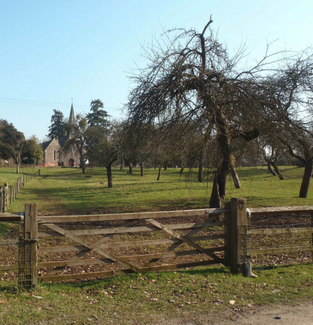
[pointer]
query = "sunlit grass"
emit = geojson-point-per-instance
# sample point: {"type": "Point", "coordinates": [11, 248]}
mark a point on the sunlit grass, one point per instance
{"type": "Point", "coordinates": [68, 191]}
{"type": "Point", "coordinates": [188, 296]}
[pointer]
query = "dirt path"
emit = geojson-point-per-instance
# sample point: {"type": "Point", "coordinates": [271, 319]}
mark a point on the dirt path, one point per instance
{"type": "Point", "coordinates": [300, 314]}
{"type": "Point", "coordinates": [275, 315]}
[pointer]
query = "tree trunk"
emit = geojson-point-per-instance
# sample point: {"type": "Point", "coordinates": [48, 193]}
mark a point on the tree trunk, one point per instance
{"type": "Point", "coordinates": [219, 184]}
{"type": "Point", "coordinates": [200, 171]}
{"type": "Point", "coordinates": [219, 187]}
{"type": "Point", "coordinates": [181, 170]}
{"type": "Point", "coordinates": [109, 175]}
{"type": "Point", "coordinates": [165, 166]}
{"type": "Point", "coordinates": [83, 166]}
{"type": "Point", "coordinates": [130, 166]}
{"type": "Point", "coordinates": [159, 173]}
{"type": "Point", "coordinates": [235, 177]}
{"type": "Point", "coordinates": [270, 169]}
{"type": "Point", "coordinates": [215, 198]}
{"type": "Point", "coordinates": [142, 172]}
{"type": "Point", "coordinates": [306, 179]}
{"type": "Point", "coordinates": [277, 171]}
{"type": "Point", "coordinates": [18, 167]}
{"type": "Point", "coordinates": [122, 160]}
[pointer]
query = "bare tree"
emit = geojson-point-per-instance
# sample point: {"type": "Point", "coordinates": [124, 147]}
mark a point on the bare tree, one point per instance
{"type": "Point", "coordinates": [78, 139]}
{"type": "Point", "coordinates": [191, 77]}
{"type": "Point", "coordinates": [288, 107]}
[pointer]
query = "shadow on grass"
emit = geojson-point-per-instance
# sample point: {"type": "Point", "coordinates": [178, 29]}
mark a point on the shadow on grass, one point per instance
{"type": "Point", "coordinates": [134, 276]}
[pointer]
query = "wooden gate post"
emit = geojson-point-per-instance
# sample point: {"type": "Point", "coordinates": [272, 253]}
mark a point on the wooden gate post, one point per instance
{"type": "Point", "coordinates": [237, 225]}
{"type": "Point", "coordinates": [28, 276]}
{"type": "Point", "coordinates": [1, 199]}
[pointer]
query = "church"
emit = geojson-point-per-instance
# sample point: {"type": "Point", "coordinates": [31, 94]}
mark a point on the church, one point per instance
{"type": "Point", "coordinates": [54, 153]}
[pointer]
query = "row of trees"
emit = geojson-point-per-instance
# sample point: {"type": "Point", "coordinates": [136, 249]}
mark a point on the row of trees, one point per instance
{"type": "Point", "coordinates": [13, 145]}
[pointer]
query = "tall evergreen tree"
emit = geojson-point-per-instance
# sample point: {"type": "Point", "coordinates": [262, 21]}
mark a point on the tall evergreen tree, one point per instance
{"type": "Point", "coordinates": [57, 127]}
{"type": "Point", "coordinates": [98, 116]}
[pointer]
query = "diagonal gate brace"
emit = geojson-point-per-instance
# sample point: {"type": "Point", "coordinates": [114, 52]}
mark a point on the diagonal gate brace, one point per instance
{"type": "Point", "coordinates": [98, 250]}
{"type": "Point", "coordinates": [185, 239]}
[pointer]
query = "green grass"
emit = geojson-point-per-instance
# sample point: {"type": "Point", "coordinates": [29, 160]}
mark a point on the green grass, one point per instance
{"type": "Point", "coordinates": [187, 295]}
{"type": "Point", "coordinates": [68, 191]}
{"type": "Point", "coordinates": [8, 175]}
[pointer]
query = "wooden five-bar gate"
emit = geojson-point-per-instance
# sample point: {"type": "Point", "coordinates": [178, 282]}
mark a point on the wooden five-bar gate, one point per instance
{"type": "Point", "coordinates": [56, 248]}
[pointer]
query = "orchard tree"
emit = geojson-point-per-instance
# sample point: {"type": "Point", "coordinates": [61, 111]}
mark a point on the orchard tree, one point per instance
{"type": "Point", "coordinates": [192, 77]}
{"type": "Point", "coordinates": [288, 109]}
{"type": "Point", "coordinates": [103, 147]}
{"type": "Point", "coordinates": [78, 137]}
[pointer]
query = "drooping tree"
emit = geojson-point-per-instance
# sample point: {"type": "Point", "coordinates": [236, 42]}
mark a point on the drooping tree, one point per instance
{"type": "Point", "coordinates": [192, 77]}
{"type": "Point", "coordinates": [288, 109]}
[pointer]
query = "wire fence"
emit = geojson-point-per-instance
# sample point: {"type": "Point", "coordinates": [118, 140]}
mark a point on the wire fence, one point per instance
{"type": "Point", "coordinates": [282, 240]}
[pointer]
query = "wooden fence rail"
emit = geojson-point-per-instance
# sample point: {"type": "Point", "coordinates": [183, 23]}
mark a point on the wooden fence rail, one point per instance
{"type": "Point", "coordinates": [55, 248]}
{"type": "Point", "coordinates": [8, 193]}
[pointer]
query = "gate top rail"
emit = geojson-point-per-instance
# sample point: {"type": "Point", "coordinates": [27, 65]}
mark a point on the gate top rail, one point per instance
{"type": "Point", "coordinates": [11, 216]}
{"type": "Point", "coordinates": [130, 216]}
{"type": "Point", "coordinates": [281, 210]}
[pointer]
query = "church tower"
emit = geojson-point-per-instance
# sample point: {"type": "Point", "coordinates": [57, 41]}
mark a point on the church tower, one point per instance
{"type": "Point", "coordinates": [71, 122]}
{"type": "Point", "coordinates": [72, 119]}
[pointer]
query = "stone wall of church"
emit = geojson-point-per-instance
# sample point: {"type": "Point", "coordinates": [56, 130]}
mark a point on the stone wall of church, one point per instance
{"type": "Point", "coordinates": [71, 157]}
{"type": "Point", "coordinates": [51, 154]}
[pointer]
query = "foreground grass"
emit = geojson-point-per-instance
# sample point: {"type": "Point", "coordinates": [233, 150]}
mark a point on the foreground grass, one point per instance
{"type": "Point", "coordinates": [68, 191]}
{"type": "Point", "coordinates": [147, 298]}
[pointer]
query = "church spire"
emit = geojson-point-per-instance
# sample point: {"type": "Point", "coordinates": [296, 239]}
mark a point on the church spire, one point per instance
{"type": "Point", "coordinates": [72, 119]}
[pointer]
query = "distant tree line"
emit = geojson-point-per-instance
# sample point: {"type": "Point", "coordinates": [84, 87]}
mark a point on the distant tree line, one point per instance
{"type": "Point", "coordinates": [13, 145]}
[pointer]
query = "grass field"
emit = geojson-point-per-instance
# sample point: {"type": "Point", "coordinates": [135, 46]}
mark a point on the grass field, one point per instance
{"type": "Point", "coordinates": [188, 296]}
{"type": "Point", "coordinates": [68, 191]}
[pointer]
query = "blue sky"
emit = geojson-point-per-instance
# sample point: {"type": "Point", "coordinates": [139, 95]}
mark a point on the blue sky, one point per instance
{"type": "Point", "coordinates": [56, 50]}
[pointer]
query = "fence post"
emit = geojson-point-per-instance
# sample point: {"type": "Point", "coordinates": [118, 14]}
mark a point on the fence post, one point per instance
{"type": "Point", "coordinates": [5, 197]}
{"type": "Point", "coordinates": [237, 239]}
{"type": "Point", "coordinates": [14, 191]}
{"type": "Point", "coordinates": [312, 231]}
{"type": "Point", "coordinates": [243, 238]}
{"type": "Point", "coordinates": [229, 247]}
{"type": "Point", "coordinates": [233, 220]}
{"type": "Point", "coordinates": [1, 199]}
{"type": "Point", "coordinates": [27, 276]}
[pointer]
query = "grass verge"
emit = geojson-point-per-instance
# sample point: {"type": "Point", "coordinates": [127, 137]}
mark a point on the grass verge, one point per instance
{"type": "Point", "coordinates": [190, 295]}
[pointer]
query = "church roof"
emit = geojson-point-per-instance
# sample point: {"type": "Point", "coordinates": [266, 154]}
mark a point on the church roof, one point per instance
{"type": "Point", "coordinates": [62, 141]}
{"type": "Point", "coordinates": [46, 144]}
